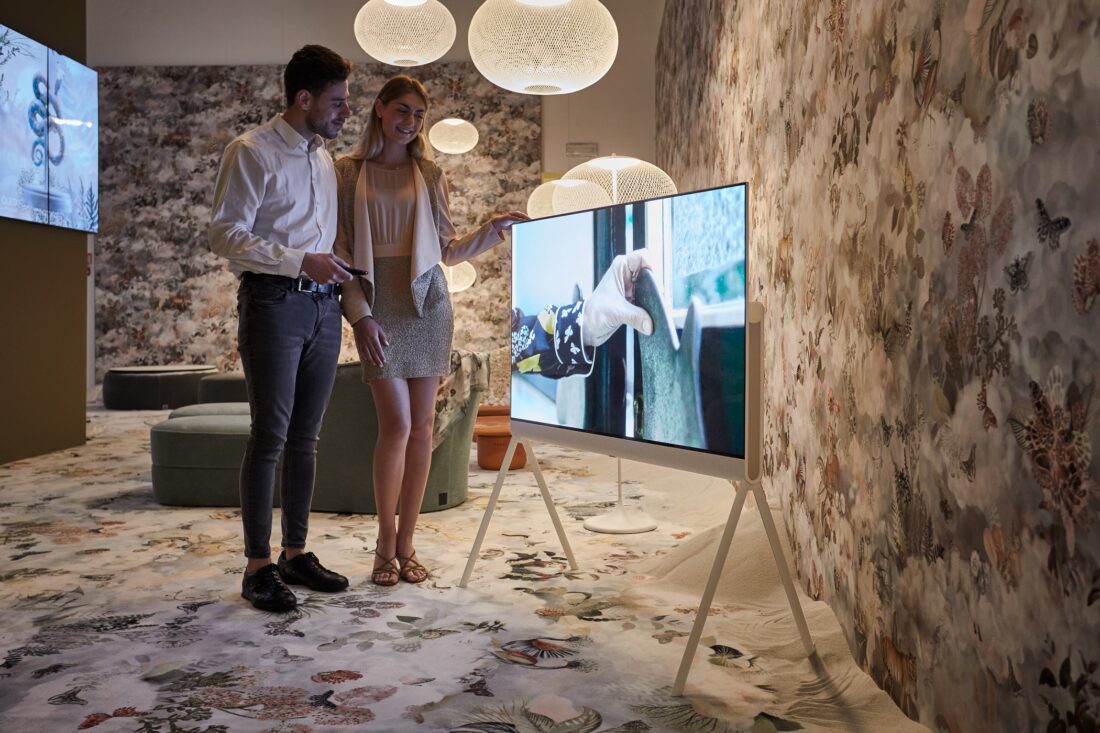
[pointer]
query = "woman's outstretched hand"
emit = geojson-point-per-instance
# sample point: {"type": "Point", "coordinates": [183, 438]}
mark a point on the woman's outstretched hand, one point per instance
{"type": "Point", "coordinates": [370, 340]}
{"type": "Point", "coordinates": [503, 222]}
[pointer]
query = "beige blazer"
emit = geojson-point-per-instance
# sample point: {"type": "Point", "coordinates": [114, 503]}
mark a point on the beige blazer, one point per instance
{"type": "Point", "coordinates": [434, 237]}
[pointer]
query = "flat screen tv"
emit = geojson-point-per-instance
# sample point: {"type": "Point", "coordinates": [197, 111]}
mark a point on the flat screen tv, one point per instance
{"type": "Point", "coordinates": [49, 135]}
{"type": "Point", "coordinates": [676, 396]}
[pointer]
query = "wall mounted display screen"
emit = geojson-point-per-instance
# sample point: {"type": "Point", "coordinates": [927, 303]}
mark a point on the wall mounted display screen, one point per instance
{"type": "Point", "coordinates": [576, 277]}
{"type": "Point", "coordinates": [49, 136]}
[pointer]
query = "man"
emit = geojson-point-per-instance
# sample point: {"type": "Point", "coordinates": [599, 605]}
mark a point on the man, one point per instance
{"type": "Point", "coordinates": [274, 219]}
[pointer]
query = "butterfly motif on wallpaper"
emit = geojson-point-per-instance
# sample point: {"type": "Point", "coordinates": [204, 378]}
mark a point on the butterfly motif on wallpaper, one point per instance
{"type": "Point", "coordinates": [970, 465]}
{"type": "Point", "coordinates": [1050, 229]}
{"type": "Point", "coordinates": [989, 420]}
{"type": "Point", "coordinates": [1016, 272]}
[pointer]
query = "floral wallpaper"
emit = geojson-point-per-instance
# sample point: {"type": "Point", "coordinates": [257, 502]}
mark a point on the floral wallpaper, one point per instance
{"type": "Point", "coordinates": [923, 186]}
{"type": "Point", "coordinates": [163, 297]}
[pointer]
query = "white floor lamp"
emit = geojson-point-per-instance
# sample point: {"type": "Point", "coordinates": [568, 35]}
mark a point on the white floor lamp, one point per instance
{"type": "Point", "coordinates": [621, 520]}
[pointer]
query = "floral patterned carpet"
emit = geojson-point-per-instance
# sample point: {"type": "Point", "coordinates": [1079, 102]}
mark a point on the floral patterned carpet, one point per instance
{"type": "Point", "coordinates": [124, 615]}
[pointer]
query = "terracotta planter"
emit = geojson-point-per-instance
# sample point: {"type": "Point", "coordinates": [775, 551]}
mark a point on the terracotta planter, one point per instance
{"type": "Point", "coordinates": [493, 433]}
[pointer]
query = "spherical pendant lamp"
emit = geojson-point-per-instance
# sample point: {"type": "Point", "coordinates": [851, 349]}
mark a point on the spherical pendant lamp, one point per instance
{"type": "Point", "coordinates": [459, 277]}
{"type": "Point", "coordinates": [543, 46]}
{"type": "Point", "coordinates": [565, 196]}
{"type": "Point", "coordinates": [575, 195]}
{"type": "Point", "coordinates": [453, 136]}
{"type": "Point", "coordinates": [405, 32]}
{"type": "Point", "coordinates": [624, 179]}
{"type": "Point", "coordinates": [541, 201]}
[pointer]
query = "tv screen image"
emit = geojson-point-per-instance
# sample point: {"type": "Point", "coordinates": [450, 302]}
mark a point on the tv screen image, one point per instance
{"type": "Point", "coordinates": [581, 361]}
{"type": "Point", "coordinates": [49, 135]}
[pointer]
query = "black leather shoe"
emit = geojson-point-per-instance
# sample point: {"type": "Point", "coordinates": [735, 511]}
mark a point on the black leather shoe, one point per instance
{"type": "Point", "coordinates": [306, 569]}
{"type": "Point", "coordinates": [266, 590]}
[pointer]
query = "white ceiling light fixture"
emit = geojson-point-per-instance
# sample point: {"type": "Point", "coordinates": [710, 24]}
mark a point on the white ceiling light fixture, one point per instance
{"type": "Point", "coordinates": [624, 179]}
{"type": "Point", "coordinates": [405, 32]}
{"type": "Point", "coordinates": [543, 46]}
{"type": "Point", "coordinates": [453, 136]}
{"type": "Point", "coordinates": [459, 277]}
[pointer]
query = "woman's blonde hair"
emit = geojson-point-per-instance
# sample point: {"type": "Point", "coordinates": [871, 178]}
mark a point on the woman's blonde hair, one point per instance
{"type": "Point", "coordinates": [372, 141]}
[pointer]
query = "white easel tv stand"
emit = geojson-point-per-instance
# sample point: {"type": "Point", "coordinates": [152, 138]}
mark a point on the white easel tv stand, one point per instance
{"type": "Point", "coordinates": [745, 478]}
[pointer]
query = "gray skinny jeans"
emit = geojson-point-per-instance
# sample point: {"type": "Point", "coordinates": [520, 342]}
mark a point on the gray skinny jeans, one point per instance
{"type": "Point", "coordinates": [289, 343]}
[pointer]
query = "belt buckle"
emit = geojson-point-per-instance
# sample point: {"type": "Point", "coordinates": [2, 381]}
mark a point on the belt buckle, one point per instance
{"type": "Point", "coordinates": [304, 285]}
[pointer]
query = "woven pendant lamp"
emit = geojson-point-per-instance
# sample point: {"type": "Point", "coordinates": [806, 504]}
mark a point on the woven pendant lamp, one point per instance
{"type": "Point", "coordinates": [405, 32]}
{"type": "Point", "coordinates": [541, 201]}
{"type": "Point", "coordinates": [564, 196]}
{"type": "Point", "coordinates": [459, 277]}
{"type": "Point", "coordinates": [453, 136]}
{"type": "Point", "coordinates": [624, 179]}
{"type": "Point", "coordinates": [543, 46]}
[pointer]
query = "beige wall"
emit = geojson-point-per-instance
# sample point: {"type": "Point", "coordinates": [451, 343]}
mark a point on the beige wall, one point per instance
{"type": "Point", "coordinates": [43, 298]}
{"type": "Point", "coordinates": [617, 112]}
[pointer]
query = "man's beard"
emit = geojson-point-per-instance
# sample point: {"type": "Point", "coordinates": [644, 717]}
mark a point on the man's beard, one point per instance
{"type": "Point", "coordinates": [321, 128]}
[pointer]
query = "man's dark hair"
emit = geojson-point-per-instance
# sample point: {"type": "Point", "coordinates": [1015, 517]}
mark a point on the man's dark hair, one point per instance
{"type": "Point", "coordinates": [313, 68]}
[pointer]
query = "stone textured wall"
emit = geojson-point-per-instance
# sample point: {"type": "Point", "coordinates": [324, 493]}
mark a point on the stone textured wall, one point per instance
{"type": "Point", "coordinates": [923, 193]}
{"type": "Point", "coordinates": [163, 297]}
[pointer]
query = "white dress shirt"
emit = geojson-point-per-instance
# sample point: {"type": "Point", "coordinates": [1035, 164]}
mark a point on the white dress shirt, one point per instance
{"type": "Point", "coordinates": [275, 200]}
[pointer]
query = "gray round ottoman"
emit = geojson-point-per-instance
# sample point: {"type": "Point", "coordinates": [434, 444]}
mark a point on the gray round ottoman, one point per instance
{"type": "Point", "coordinates": [153, 387]}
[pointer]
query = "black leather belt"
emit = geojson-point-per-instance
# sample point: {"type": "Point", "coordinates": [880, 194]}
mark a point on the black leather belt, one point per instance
{"type": "Point", "coordinates": [300, 284]}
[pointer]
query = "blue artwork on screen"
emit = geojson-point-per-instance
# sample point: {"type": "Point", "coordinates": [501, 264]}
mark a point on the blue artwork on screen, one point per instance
{"type": "Point", "coordinates": [681, 259]}
{"type": "Point", "coordinates": [49, 136]}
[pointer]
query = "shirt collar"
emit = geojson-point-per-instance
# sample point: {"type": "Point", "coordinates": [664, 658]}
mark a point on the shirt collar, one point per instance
{"type": "Point", "coordinates": [292, 138]}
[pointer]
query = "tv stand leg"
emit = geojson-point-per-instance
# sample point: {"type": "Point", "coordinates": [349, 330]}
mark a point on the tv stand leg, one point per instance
{"type": "Point", "coordinates": [716, 574]}
{"type": "Point", "coordinates": [488, 512]}
{"type": "Point", "coordinates": [550, 505]}
{"type": "Point", "coordinates": [491, 507]}
{"type": "Point", "coordinates": [708, 591]}
{"type": "Point", "coordinates": [784, 571]}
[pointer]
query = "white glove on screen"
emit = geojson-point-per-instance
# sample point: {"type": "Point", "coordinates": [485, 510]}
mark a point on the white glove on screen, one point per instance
{"type": "Point", "coordinates": [610, 304]}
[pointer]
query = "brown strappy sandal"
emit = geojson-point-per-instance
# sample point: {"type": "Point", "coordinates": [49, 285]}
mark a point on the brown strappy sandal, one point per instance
{"type": "Point", "coordinates": [411, 569]}
{"type": "Point", "coordinates": [387, 573]}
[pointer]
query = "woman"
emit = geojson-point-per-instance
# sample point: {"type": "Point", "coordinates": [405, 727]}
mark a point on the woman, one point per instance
{"type": "Point", "coordinates": [395, 225]}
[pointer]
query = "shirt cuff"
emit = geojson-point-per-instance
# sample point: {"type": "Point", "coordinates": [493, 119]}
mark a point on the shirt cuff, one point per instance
{"type": "Point", "coordinates": [291, 263]}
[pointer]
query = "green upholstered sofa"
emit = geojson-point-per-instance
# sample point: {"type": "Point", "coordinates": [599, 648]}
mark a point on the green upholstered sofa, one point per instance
{"type": "Point", "coordinates": [197, 451]}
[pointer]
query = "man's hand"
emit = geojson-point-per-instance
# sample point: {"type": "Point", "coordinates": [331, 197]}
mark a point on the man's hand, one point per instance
{"type": "Point", "coordinates": [325, 268]}
{"type": "Point", "coordinates": [370, 340]}
{"type": "Point", "coordinates": [611, 303]}
{"type": "Point", "coordinates": [503, 222]}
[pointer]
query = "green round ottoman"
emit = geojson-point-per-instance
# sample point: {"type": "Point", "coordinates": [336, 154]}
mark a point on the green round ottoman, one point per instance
{"type": "Point", "coordinates": [197, 459]}
{"type": "Point", "coordinates": [225, 387]}
{"type": "Point", "coordinates": [201, 409]}
{"type": "Point", "coordinates": [153, 387]}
